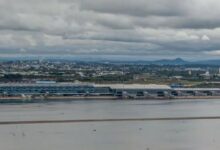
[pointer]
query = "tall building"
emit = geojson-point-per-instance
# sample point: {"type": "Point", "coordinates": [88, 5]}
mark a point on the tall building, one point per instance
{"type": "Point", "coordinates": [190, 72]}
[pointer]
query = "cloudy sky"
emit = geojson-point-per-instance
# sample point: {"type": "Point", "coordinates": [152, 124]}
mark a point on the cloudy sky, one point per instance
{"type": "Point", "coordinates": [151, 28]}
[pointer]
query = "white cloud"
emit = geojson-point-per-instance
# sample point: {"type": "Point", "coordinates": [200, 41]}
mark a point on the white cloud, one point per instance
{"type": "Point", "coordinates": [22, 50]}
{"type": "Point", "coordinates": [205, 38]}
{"type": "Point", "coordinates": [213, 52]}
{"type": "Point", "coordinates": [144, 27]}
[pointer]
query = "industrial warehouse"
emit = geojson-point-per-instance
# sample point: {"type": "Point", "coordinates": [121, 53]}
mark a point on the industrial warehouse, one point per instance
{"type": "Point", "coordinates": [50, 90]}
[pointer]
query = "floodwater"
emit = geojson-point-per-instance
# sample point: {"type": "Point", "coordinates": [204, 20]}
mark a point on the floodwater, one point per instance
{"type": "Point", "coordinates": [125, 135]}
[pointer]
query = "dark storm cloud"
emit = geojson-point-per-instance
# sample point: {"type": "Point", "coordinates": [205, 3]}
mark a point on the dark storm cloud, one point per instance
{"type": "Point", "coordinates": [131, 27]}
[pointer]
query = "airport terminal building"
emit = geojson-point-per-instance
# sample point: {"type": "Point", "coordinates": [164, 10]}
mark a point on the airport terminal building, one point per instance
{"type": "Point", "coordinates": [115, 90]}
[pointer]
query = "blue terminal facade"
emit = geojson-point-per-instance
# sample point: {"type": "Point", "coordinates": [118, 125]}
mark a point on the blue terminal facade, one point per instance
{"type": "Point", "coordinates": [53, 89]}
{"type": "Point", "coordinates": [71, 89]}
{"type": "Point", "coordinates": [116, 90]}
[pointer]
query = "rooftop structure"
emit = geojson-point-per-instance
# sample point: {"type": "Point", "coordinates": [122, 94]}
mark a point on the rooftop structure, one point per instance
{"type": "Point", "coordinates": [134, 86]}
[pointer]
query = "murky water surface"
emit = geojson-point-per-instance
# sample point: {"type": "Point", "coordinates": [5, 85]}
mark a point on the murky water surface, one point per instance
{"type": "Point", "coordinates": [138, 135]}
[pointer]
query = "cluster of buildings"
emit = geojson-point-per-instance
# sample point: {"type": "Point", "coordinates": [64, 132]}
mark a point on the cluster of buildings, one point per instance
{"type": "Point", "coordinates": [68, 71]}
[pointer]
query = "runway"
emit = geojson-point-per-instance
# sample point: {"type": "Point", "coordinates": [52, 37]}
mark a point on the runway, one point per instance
{"type": "Point", "coordinates": [108, 120]}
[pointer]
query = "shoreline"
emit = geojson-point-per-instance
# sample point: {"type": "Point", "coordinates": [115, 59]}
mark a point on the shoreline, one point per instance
{"type": "Point", "coordinates": [18, 99]}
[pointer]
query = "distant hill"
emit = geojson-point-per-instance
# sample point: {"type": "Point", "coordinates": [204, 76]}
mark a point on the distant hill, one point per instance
{"type": "Point", "coordinates": [114, 60]}
{"type": "Point", "coordinates": [208, 62]}
{"type": "Point", "coordinates": [177, 61]}
{"type": "Point", "coordinates": [180, 61]}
